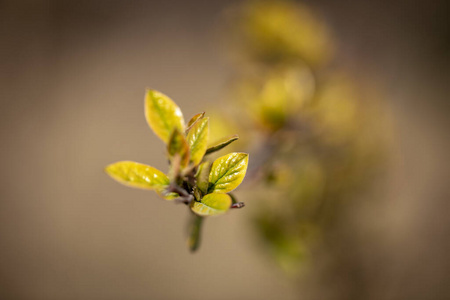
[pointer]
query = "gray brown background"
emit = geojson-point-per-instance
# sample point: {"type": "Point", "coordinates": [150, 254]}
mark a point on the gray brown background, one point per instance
{"type": "Point", "coordinates": [72, 80]}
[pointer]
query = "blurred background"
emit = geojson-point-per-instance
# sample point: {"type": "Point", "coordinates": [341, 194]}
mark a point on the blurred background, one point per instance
{"type": "Point", "coordinates": [72, 82]}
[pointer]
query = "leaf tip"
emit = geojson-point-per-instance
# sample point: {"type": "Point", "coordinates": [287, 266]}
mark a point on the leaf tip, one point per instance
{"type": "Point", "coordinates": [162, 114]}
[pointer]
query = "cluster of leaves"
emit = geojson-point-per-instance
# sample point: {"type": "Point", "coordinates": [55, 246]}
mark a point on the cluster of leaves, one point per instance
{"type": "Point", "coordinates": [192, 179]}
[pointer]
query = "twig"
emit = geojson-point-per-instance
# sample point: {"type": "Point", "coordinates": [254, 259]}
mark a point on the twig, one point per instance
{"type": "Point", "coordinates": [238, 205]}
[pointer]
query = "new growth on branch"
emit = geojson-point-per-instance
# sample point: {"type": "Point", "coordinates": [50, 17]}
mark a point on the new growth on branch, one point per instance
{"type": "Point", "coordinates": [192, 179]}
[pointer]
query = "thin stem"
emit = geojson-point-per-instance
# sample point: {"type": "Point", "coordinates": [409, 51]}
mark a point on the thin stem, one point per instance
{"type": "Point", "coordinates": [185, 199]}
{"type": "Point", "coordinates": [175, 188]}
{"type": "Point", "coordinates": [195, 232]}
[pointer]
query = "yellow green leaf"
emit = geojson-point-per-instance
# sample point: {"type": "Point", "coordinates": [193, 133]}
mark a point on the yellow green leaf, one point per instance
{"type": "Point", "coordinates": [227, 172]}
{"type": "Point", "coordinates": [169, 196]}
{"type": "Point", "coordinates": [178, 146]}
{"type": "Point", "coordinates": [212, 205]}
{"type": "Point", "coordinates": [138, 175]}
{"type": "Point", "coordinates": [222, 143]}
{"type": "Point", "coordinates": [162, 114]}
{"type": "Point", "coordinates": [203, 176]}
{"type": "Point", "coordinates": [198, 140]}
{"type": "Point", "coordinates": [195, 119]}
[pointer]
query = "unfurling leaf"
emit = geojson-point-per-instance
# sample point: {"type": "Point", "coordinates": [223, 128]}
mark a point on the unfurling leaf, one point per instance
{"type": "Point", "coordinates": [227, 172]}
{"type": "Point", "coordinates": [195, 119]}
{"type": "Point", "coordinates": [203, 176]}
{"type": "Point", "coordinates": [222, 143]}
{"type": "Point", "coordinates": [198, 140]}
{"type": "Point", "coordinates": [162, 114]}
{"type": "Point", "coordinates": [178, 146]}
{"type": "Point", "coordinates": [138, 175]}
{"type": "Point", "coordinates": [212, 205]}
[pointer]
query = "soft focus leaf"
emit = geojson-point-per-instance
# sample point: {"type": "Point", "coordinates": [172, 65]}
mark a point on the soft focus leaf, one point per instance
{"type": "Point", "coordinates": [283, 31]}
{"type": "Point", "coordinates": [275, 96]}
{"type": "Point", "coordinates": [198, 140]}
{"type": "Point", "coordinates": [195, 119]}
{"type": "Point", "coordinates": [178, 146]}
{"type": "Point", "coordinates": [227, 172]}
{"type": "Point", "coordinates": [203, 176]}
{"type": "Point", "coordinates": [169, 196]}
{"type": "Point", "coordinates": [138, 175]}
{"type": "Point", "coordinates": [162, 114]}
{"type": "Point", "coordinates": [212, 205]}
{"type": "Point", "coordinates": [222, 143]}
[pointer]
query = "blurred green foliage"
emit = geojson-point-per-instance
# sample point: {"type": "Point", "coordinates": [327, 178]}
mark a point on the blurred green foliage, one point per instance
{"type": "Point", "coordinates": [317, 138]}
{"type": "Point", "coordinates": [274, 31]}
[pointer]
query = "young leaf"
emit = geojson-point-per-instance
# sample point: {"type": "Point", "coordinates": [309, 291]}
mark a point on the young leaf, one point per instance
{"type": "Point", "coordinates": [169, 196]}
{"type": "Point", "coordinates": [197, 139]}
{"type": "Point", "coordinates": [138, 175]}
{"type": "Point", "coordinates": [227, 172]}
{"type": "Point", "coordinates": [178, 146]}
{"type": "Point", "coordinates": [162, 114]}
{"type": "Point", "coordinates": [195, 119]}
{"type": "Point", "coordinates": [203, 176]}
{"type": "Point", "coordinates": [222, 143]}
{"type": "Point", "coordinates": [212, 205]}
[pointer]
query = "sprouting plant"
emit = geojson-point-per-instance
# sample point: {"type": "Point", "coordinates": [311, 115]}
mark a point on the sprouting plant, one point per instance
{"type": "Point", "coordinates": [192, 179]}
